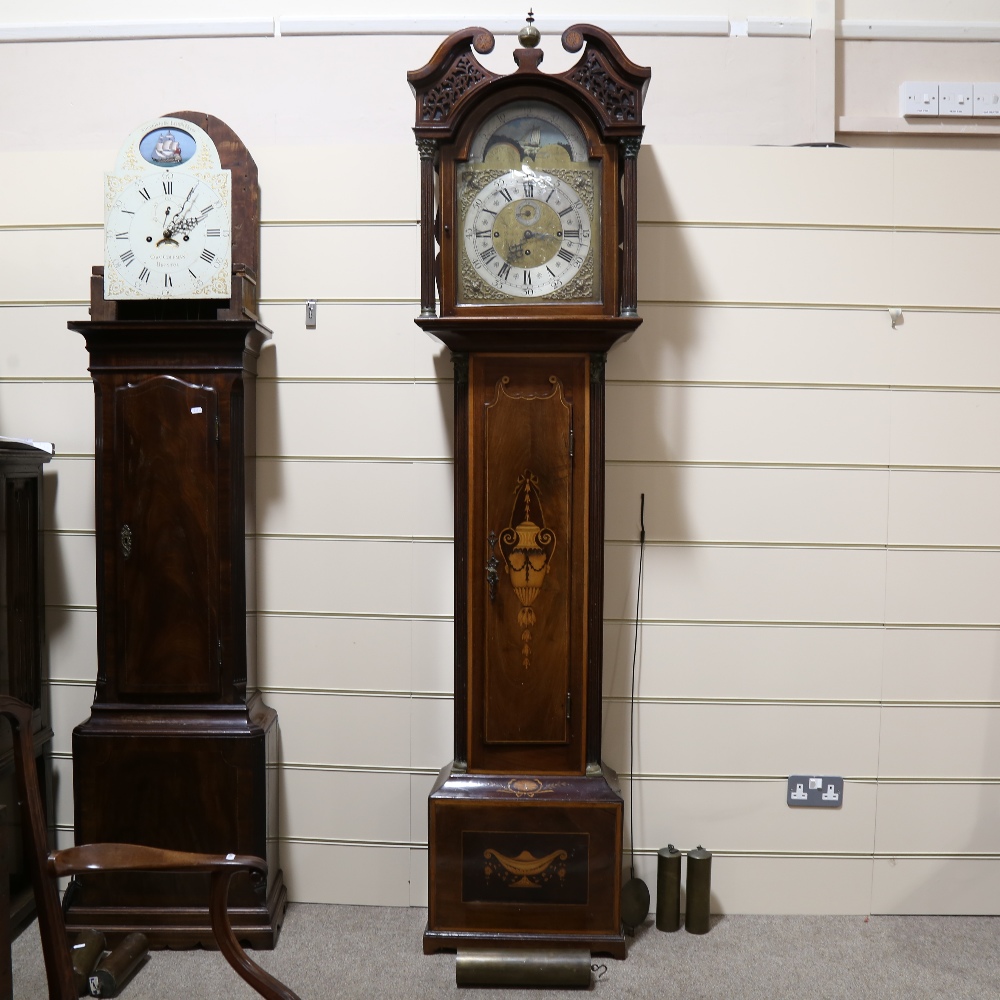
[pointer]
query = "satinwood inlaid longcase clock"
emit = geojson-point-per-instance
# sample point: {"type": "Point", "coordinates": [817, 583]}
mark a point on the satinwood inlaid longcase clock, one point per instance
{"type": "Point", "coordinates": [528, 230]}
{"type": "Point", "coordinates": [179, 746]}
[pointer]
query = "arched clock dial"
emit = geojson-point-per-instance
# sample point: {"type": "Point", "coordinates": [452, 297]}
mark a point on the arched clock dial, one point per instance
{"type": "Point", "coordinates": [528, 201]}
{"type": "Point", "coordinates": [168, 231]}
{"type": "Point", "coordinates": [168, 235]}
{"type": "Point", "coordinates": [528, 234]}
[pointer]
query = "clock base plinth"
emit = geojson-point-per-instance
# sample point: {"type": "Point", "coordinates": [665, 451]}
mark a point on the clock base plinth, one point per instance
{"type": "Point", "coordinates": [198, 779]}
{"type": "Point", "coordinates": [525, 860]}
{"type": "Point", "coordinates": [185, 927]}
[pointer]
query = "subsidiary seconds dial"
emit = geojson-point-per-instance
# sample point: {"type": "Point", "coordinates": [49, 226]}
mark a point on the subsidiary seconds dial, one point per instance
{"type": "Point", "coordinates": [168, 235]}
{"type": "Point", "coordinates": [527, 233]}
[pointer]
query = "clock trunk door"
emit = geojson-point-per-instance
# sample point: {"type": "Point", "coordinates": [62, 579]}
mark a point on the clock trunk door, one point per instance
{"type": "Point", "coordinates": [166, 539]}
{"type": "Point", "coordinates": [528, 592]}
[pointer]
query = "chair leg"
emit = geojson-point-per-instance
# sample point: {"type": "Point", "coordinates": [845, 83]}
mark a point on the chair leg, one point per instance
{"type": "Point", "coordinates": [264, 983]}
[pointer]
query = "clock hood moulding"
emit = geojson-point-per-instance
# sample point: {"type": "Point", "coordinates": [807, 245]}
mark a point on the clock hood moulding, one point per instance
{"type": "Point", "coordinates": [604, 78]}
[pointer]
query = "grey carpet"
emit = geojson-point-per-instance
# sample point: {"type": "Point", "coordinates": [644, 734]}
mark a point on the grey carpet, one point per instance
{"type": "Point", "coordinates": [327, 952]}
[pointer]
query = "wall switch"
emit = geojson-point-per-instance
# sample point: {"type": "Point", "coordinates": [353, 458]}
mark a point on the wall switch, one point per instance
{"type": "Point", "coordinates": [986, 99]}
{"type": "Point", "coordinates": [918, 99]}
{"type": "Point", "coordinates": [815, 790]}
{"type": "Point", "coordinates": [955, 99]}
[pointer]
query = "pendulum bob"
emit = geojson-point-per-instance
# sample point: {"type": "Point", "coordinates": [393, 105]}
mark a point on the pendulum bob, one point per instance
{"type": "Point", "coordinates": [699, 891]}
{"type": "Point", "coordinates": [668, 889]}
{"type": "Point", "coordinates": [635, 904]}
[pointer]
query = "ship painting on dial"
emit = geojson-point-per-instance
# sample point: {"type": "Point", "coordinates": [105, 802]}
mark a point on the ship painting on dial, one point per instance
{"type": "Point", "coordinates": [167, 211]}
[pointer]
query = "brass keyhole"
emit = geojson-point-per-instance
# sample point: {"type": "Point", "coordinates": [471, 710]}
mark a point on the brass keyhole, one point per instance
{"type": "Point", "coordinates": [126, 540]}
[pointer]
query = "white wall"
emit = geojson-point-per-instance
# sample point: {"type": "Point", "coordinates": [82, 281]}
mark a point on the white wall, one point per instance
{"type": "Point", "coordinates": [821, 489]}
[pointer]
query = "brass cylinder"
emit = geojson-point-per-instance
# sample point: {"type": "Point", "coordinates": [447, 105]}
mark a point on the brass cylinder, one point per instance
{"type": "Point", "coordinates": [115, 968]}
{"type": "Point", "coordinates": [551, 967]}
{"type": "Point", "coordinates": [668, 888]}
{"type": "Point", "coordinates": [699, 890]}
{"type": "Point", "coordinates": [86, 950]}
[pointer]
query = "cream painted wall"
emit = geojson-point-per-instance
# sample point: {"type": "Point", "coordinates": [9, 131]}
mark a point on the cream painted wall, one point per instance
{"type": "Point", "coordinates": [821, 489]}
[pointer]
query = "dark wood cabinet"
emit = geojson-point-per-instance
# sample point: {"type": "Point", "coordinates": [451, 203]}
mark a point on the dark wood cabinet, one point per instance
{"type": "Point", "coordinates": [22, 644]}
{"type": "Point", "coordinates": [179, 750]}
{"type": "Point", "coordinates": [528, 235]}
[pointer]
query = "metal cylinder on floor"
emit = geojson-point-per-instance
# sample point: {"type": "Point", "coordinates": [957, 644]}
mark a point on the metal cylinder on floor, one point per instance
{"type": "Point", "coordinates": [551, 967]}
{"type": "Point", "coordinates": [668, 888]}
{"type": "Point", "coordinates": [114, 969]}
{"type": "Point", "coordinates": [699, 891]}
{"type": "Point", "coordinates": [87, 949]}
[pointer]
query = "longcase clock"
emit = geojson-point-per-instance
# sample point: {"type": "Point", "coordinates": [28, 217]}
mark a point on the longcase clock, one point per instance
{"type": "Point", "coordinates": [179, 746]}
{"type": "Point", "coordinates": [528, 265]}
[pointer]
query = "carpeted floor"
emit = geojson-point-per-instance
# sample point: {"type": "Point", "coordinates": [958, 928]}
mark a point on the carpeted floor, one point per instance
{"type": "Point", "coordinates": [328, 952]}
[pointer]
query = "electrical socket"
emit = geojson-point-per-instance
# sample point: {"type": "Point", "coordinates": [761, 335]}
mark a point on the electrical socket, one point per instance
{"type": "Point", "coordinates": [815, 790]}
{"type": "Point", "coordinates": [986, 99]}
{"type": "Point", "coordinates": [918, 99]}
{"type": "Point", "coordinates": [955, 99]}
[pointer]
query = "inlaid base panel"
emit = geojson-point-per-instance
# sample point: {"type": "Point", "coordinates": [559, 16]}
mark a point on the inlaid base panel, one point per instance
{"type": "Point", "coordinates": [525, 860]}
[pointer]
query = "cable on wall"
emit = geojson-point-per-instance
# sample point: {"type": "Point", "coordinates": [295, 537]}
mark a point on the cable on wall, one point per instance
{"type": "Point", "coordinates": [635, 892]}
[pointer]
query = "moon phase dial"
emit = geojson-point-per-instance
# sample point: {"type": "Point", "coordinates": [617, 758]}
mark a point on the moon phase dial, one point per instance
{"type": "Point", "coordinates": [527, 234]}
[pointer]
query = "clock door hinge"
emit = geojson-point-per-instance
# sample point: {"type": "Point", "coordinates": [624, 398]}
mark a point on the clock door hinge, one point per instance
{"type": "Point", "coordinates": [571, 442]}
{"type": "Point", "coordinates": [216, 428]}
{"type": "Point", "coordinates": [569, 704]}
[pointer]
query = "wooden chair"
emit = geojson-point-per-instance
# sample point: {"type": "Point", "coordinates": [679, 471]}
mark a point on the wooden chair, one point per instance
{"type": "Point", "coordinates": [46, 867]}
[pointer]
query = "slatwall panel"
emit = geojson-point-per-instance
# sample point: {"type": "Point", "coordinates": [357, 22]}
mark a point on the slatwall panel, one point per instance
{"type": "Point", "coordinates": [821, 488]}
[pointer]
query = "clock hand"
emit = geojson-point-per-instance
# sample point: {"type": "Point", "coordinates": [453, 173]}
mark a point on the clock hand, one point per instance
{"type": "Point", "coordinates": [167, 233]}
{"type": "Point", "coordinates": [177, 221]}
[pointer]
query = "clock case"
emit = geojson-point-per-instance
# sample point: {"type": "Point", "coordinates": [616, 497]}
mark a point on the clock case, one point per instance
{"type": "Point", "coordinates": [179, 750]}
{"type": "Point", "coordinates": [525, 824]}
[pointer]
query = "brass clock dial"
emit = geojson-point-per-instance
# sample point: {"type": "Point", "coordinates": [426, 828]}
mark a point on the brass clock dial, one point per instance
{"type": "Point", "coordinates": [527, 234]}
{"type": "Point", "coordinates": [529, 208]}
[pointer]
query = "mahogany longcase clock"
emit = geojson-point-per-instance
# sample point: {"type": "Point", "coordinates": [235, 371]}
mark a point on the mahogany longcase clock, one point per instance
{"type": "Point", "coordinates": [178, 748]}
{"type": "Point", "coordinates": [528, 230]}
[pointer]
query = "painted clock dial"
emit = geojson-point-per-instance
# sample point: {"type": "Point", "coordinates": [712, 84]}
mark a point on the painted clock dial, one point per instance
{"type": "Point", "coordinates": [529, 206]}
{"type": "Point", "coordinates": [168, 228]}
{"type": "Point", "coordinates": [168, 235]}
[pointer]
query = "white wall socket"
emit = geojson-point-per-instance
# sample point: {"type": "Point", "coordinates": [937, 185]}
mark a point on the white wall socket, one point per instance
{"type": "Point", "coordinates": [955, 99]}
{"type": "Point", "coordinates": [918, 99]}
{"type": "Point", "coordinates": [986, 99]}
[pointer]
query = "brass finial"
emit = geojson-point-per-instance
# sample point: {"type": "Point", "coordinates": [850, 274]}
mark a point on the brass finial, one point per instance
{"type": "Point", "coordinates": [529, 36]}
